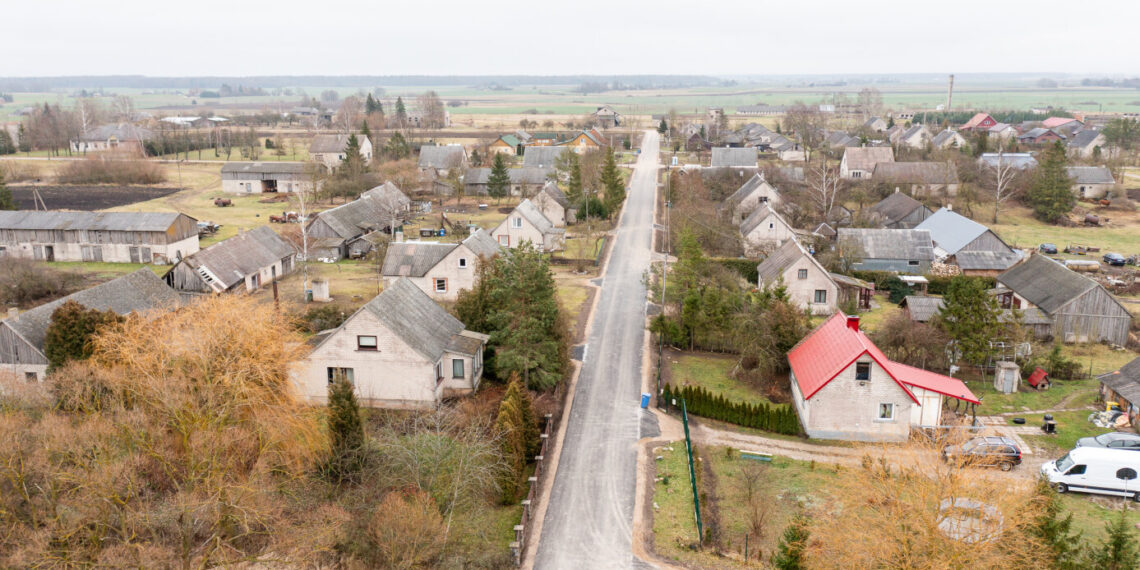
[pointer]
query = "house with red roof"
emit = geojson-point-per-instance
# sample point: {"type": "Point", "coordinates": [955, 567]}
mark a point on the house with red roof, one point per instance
{"type": "Point", "coordinates": [845, 388]}
{"type": "Point", "coordinates": [980, 121]}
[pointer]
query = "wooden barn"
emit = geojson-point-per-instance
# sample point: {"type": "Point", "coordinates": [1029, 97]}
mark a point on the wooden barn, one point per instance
{"type": "Point", "coordinates": [1080, 308]}
{"type": "Point", "coordinates": [116, 237]}
{"type": "Point", "coordinates": [245, 262]}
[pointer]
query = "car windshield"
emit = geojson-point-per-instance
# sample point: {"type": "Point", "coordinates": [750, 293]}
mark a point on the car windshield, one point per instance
{"type": "Point", "coordinates": [1064, 463]}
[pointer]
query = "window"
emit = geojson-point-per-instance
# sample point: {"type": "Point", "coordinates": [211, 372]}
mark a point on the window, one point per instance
{"type": "Point", "coordinates": [463, 263]}
{"type": "Point", "coordinates": [856, 174]}
{"type": "Point", "coordinates": [31, 376]}
{"type": "Point", "coordinates": [801, 274]}
{"type": "Point", "coordinates": [1076, 470]}
{"type": "Point", "coordinates": [336, 374]}
{"type": "Point", "coordinates": [441, 285]}
{"type": "Point", "coordinates": [862, 370]}
{"type": "Point", "coordinates": [365, 342]}
{"type": "Point", "coordinates": [516, 222]}
{"type": "Point", "coordinates": [886, 411]}
{"type": "Point", "coordinates": [821, 296]}
{"type": "Point", "coordinates": [457, 368]}
{"type": "Point", "coordinates": [912, 263]}
{"type": "Point", "coordinates": [763, 199]}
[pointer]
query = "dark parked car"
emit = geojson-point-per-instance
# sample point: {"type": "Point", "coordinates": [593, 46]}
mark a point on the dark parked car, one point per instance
{"type": "Point", "coordinates": [1112, 440]}
{"type": "Point", "coordinates": [1047, 248]}
{"type": "Point", "coordinates": [987, 451]}
{"type": "Point", "coordinates": [1114, 259]}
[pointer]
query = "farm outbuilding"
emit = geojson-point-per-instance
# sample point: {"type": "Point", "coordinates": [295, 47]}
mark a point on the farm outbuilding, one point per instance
{"type": "Point", "coordinates": [1080, 308]}
{"type": "Point", "coordinates": [116, 237]}
{"type": "Point", "coordinates": [903, 251]}
{"type": "Point", "coordinates": [250, 177]}
{"type": "Point", "coordinates": [245, 262]}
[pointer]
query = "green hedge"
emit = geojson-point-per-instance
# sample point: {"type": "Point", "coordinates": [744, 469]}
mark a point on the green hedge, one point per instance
{"type": "Point", "coordinates": [701, 402]}
{"type": "Point", "coordinates": [746, 268]}
{"type": "Point", "coordinates": [939, 285]}
{"type": "Point", "coordinates": [887, 281]}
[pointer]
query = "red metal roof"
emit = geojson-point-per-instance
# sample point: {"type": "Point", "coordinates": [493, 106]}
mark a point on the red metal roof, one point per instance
{"type": "Point", "coordinates": [979, 120]}
{"type": "Point", "coordinates": [833, 346]}
{"type": "Point", "coordinates": [1037, 376]}
{"type": "Point", "coordinates": [1056, 122]}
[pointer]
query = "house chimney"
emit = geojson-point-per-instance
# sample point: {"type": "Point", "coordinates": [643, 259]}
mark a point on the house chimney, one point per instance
{"type": "Point", "coordinates": [853, 322]}
{"type": "Point", "coordinates": [13, 313]}
{"type": "Point", "coordinates": [950, 207]}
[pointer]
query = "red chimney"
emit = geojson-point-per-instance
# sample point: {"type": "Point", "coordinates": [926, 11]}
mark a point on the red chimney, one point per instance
{"type": "Point", "coordinates": [853, 322]}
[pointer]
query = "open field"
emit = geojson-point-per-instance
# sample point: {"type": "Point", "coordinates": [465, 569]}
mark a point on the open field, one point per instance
{"type": "Point", "coordinates": [1019, 229]}
{"type": "Point", "coordinates": [87, 197]}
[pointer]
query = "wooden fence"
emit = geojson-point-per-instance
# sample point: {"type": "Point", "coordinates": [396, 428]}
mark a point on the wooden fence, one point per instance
{"type": "Point", "coordinates": [519, 546]}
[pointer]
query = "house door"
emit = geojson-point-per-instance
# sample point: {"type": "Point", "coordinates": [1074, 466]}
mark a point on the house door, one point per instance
{"type": "Point", "coordinates": [134, 252]}
{"type": "Point", "coordinates": [49, 253]}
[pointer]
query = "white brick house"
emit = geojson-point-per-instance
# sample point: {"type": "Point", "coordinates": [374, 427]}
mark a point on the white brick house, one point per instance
{"type": "Point", "coordinates": [806, 282]}
{"type": "Point", "coordinates": [527, 223]}
{"type": "Point", "coordinates": [845, 388]}
{"type": "Point", "coordinates": [400, 351]}
{"type": "Point", "coordinates": [441, 270]}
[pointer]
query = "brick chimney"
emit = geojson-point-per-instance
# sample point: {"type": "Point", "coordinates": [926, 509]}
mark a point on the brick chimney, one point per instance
{"type": "Point", "coordinates": [853, 322]}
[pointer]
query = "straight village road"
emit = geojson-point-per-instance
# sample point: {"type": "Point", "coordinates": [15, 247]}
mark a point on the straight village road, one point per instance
{"type": "Point", "coordinates": [589, 520]}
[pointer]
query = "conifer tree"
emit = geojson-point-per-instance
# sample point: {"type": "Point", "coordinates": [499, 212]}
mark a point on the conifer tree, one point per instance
{"type": "Point", "coordinates": [574, 184]}
{"type": "Point", "coordinates": [401, 113]}
{"type": "Point", "coordinates": [71, 331]}
{"type": "Point", "coordinates": [1054, 530]}
{"type": "Point", "coordinates": [499, 183]}
{"type": "Point", "coordinates": [518, 393]}
{"type": "Point", "coordinates": [1120, 550]}
{"type": "Point", "coordinates": [6, 145]}
{"type": "Point", "coordinates": [24, 143]}
{"type": "Point", "coordinates": [508, 427]}
{"type": "Point", "coordinates": [970, 317]}
{"type": "Point", "coordinates": [7, 202]}
{"type": "Point", "coordinates": [364, 130]}
{"type": "Point", "coordinates": [790, 550]}
{"type": "Point", "coordinates": [1051, 193]}
{"type": "Point", "coordinates": [662, 127]}
{"type": "Point", "coordinates": [612, 182]}
{"type": "Point", "coordinates": [346, 431]}
{"type": "Point", "coordinates": [370, 105]}
{"type": "Point", "coordinates": [397, 147]}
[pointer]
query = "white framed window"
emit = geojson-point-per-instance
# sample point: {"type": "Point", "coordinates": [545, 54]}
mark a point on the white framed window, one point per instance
{"type": "Point", "coordinates": [516, 222]}
{"type": "Point", "coordinates": [505, 240]}
{"type": "Point", "coordinates": [440, 284]}
{"type": "Point", "coordinates": [886, 412]}
{"type": "Point", "coordinates": [457, 370]}
{"type": "Point", "coordinates": [336, 374]}
{"type": "Point", "coordinates": [821, 296]}
{"type": "Point", "coordinates": [366, 342]}
{"type": "Point", "coordinates": [801, 274]}
{"type": "Point", "coordinates": [463, 263]}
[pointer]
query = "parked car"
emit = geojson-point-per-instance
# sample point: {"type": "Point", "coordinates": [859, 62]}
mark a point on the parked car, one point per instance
{"type": "Point", "coordinates": [1047, 248]}
{"type": "Point", "coordinates": [1114, 259]}
{"type": "Point", "coordinates": [986, 451]}
{"type": "Point", "coordinates": [1096, 470]}
{"type": "Point", "coordinates": [1112, 440]}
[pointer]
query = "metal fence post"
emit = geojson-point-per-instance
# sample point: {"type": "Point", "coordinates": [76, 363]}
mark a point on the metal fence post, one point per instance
{"type": "Point", "coordinates": [692, 473]}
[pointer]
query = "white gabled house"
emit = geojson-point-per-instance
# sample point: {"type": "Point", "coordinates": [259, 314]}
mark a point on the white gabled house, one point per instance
{"type": "Point", "coordinates": [441, 270]}
{"type": "Point", "coordinates": [808, 285]}
{"type": "Point", "coordinates": [527, 223]}
{"type": "Point", "coordinates": [765, 230]}
{"type": "Point", "coordinates": [400, 350]}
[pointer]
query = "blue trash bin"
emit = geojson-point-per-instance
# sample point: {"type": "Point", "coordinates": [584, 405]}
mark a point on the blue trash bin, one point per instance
{"type": "Point", "coordinates": [645, 399]}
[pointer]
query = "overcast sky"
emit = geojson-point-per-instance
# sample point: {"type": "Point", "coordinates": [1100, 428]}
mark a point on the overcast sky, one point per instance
{"type": "Point", "coordinates": [470, 37]}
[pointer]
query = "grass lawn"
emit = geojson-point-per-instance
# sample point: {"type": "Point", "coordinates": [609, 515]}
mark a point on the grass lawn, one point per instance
{"type": "Point", "coordinates": [1091, 512]}
{"type": "Point", "coordinates": [1020, 229]}
{"type": "Point", "coordinates": [712, 372]}
{"type": "Point", "coordinates": [783, 485]}
{"type": "Point", "coordinates": [99, 272]}
{"type": "Point", "coordinates": [1071, 426]}
{"type": "Point", "coordinates": [1075, 393]}
{"type": "Point", "coordinates": [870, 320]}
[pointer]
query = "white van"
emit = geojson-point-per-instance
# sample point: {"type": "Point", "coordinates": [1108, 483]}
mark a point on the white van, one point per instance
{"type": "Point", "coordinates": [1096, 470]}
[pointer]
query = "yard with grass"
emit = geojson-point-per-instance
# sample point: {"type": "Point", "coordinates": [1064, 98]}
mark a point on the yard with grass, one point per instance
{"type": "Point", "coordinates": [782, 486]}
{"type": "Point", "coordinates": [1020, 229]}
{"type": "Point", "coordinates": [1071, 426]}
{"type": "Point", "coordinates": [712, 372]}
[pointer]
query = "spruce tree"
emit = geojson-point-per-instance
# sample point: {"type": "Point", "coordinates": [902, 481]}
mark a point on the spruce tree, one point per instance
{"type": "Point", "coordinates": [790, 551]}
{"type": "Point", "coordinates": [574, 184]}
{"type": "Point", "coordinates": [1120, 550]}
{"type": "Point", "coordinates": [518, 393]}
{"type": "Point", "coordinates": [970, 317]}
{"type": "Point", "coordinates": [1051, 193]}
{"type": "Point", "coordinates": [612, 182]}
{"type": "Point", "coordinates": [1054, 530]}
{"type": "Point", "coordinates": [401, 112]}
{"type": "Point", "coordinates": [70, 332]}
{"type": "Point", "coordinates": [369, 105]}
{"type": "Point", "coordinates": [512, 442]}
{"type": "Point", "coordinates": [397, 147]}
{"type": "Point", "coordinates": [25, 142]}
{"type": "Point", "coordinates": [346, 431]}
{"type": "Point", "coordinates": [499, 183]}
{"type": "Point", "coordinates": [6, 144]}
{"type": "Point", "coordinates": [7, 202]}
{"type": "Point", "coordinates": [364, 130]}
{"type": "Point", "coordinates": [662, 127]}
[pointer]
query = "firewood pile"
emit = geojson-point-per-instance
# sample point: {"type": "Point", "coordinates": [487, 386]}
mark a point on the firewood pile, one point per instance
{"type": "Point", "coordinates": [938, 269]}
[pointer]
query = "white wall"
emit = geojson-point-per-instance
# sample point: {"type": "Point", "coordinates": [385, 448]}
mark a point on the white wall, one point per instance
{"type": "Point", "coordinates": [847, 410]}
{"type": "Point", "coordinates": [802, 291]}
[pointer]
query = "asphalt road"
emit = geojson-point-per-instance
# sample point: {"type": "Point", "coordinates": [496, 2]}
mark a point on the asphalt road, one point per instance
{"type": "Point", "coordinates": [589, 520]}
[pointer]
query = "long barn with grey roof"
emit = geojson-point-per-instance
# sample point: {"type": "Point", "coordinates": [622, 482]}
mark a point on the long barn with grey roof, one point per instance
{"type": "Point", "coordinates": [904, 251]}
{"type": "Point", "coordinates": [1081, 309]}
{"type": "Point", "coordinates": [254, 177]}
{"type": "Point", "coordinates": [343, 225]}
{"type": "Point", "coordinates": [245, 262]}
{"type": "Point", "coordinates": [400, 350]}
{"type": "Point", "coordinates": [22, 335]}
{"type": "Point", "coordinates": [117, 237]}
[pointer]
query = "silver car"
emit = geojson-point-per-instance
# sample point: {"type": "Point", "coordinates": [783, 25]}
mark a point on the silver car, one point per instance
{"type": "Point", "coordinates": [1112, 440]}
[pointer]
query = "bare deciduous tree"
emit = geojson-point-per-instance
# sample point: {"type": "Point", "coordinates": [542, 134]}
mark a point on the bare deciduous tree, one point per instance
{"type": "Point", "coordinates": [808, 124]}
{"type": "Point", "coordinates": [123, 108]}
{"type": "Point", "coordinates": [349, 115]}
{"type": "Point", "coordinates": [823, 187]}
{"type": "Point", "coordinates": [1001, 174]}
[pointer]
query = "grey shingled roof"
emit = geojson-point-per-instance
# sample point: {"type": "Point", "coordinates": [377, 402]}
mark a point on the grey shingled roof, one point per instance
{"type": "Point", "coordinates": [482, 244]}
{"type": "Point", "coordinates": [915, 173]}
{"type": "Point", "coordinates": [414, 258]}
{"type": "Point", "coordinates": [104, 221]}
{"type": "Point", "coordinates": [950, 230]}
{"type": "Point", "coordinates": [442, 157]}
{"type": "Point", "coordinates": [1090, 174]}
{"type": "Point", "coordinates": [941, 138]}
{"type": "Point", "coordinates": [895, 207]}
{"type": "Point", "coordinates": [120, 131]}
{"type": "Point", "coordinates": [757, 217]}
{"type": "Point", "coordinates": [542, 156]}
{"type": "Point", "coordinates": [551, 189]}
{"type": "Point", "coordinates": [733, 157]}
{"type": "Point", "coordinates": [1045, 282]}
{"type": "Point", "coordinates": [134, 292]}
{"type": "Point", "coordinates": [535, 216]}
{"type": "Point", "coordinates": [524, 175]}
{"type": "Point", "coordinates": [332, 143]}
{"type": "Point", "coordinates": [865, 158]}
{"type": "Point", "coordinates": [233, 259]}
{"type": "Point", "coordinates": [263, 168]}
{"type": "Point", "coordinates": [921, 308]}
{"type": "Point", "coordinates": [1039, 132]}
{"type": "Point", "coordinates": [1019, 160]}
{"type": "Point", "coordinates": [1084, 138]}
{"type": "Point", "coordinates": [889, 244]}
{"type": "Point", "coordinates": [780, 260]}
{"type": "Point", "coordinates": [411, 315]}
{"type": "Point", "coordinates": [357, 217]}
{"type": "Point", "coordinates": [1125, 381]}
{"type": "Point", "coordinates": [744, 191]}
{"type": "Point", "coordinates": [390, 196]}
{"type": "Point", "coordinates": [986, 260]}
